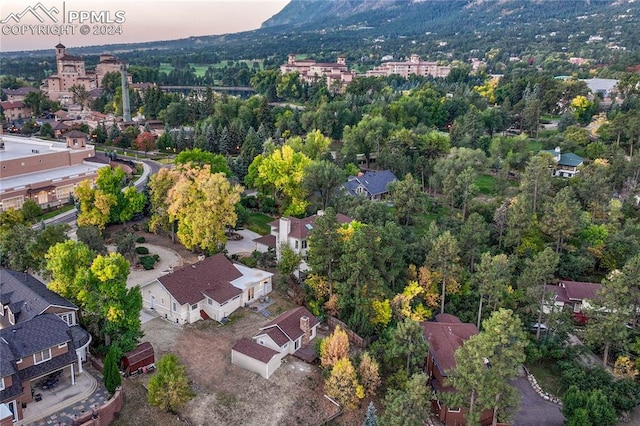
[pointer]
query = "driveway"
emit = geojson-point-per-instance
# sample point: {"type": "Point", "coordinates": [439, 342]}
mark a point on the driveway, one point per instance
{"type": "Point", "coordinates": [535, 411]}
{"type": "Point", "coordinates": [245, 245]}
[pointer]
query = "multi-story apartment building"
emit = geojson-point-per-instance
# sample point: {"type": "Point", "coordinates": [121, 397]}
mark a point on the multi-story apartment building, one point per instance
{"type": "Point", "coordinates": [413, 66]}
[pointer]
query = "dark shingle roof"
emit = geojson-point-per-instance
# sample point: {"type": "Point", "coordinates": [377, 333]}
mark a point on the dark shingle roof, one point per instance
{"type": "Point", "coordinates": [375, 183]}
{"type": "Point", "coordinates": [289, 322]}
{"type": "Point", "coordinates": [76, 134]}
{"type": "Point", "coordinates": [20, 91]}
{"type": "Point", "coordinates": [27, 295]}
{"type": "Point", "coordinates": [577, 290]}
{"type": "Point", "coordinates": [6, 366]}
{"type": "Point", "coordinates": [250, 348]}
{"type": "Point", "coordinates": [39, 333]}
{"type": "Point", "coordinates": [212, 277]}
{"type": "Point", "coordinates": [570, 159]}
{"type": "Point", "coordinates": [444, 338]}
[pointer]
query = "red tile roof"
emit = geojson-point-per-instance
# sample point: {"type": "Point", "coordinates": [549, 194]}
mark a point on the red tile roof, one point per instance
{"type": "Point", "coordinates": [212, 277]}
{"type": "Point", "coordinates": [250, 348]}
{"type": "Point", "coordinates": [289, 322]}
{"type": "Point", "coordinates": [12, 104]}
{"type": "Point", "coordinates": [444, 338]}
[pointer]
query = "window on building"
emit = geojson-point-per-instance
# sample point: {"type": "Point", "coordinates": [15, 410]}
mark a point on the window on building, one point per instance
{"type": "Point", "coordinates": [62, 345]}
{"type": "Point", "coordinates": [285, 346]}
{"type": "Point", "coordinates": [1, 383]}
{"type": "Point", "coordinates": [69, 318]}
{"type": "Point", "coordinates": [296, 344]}
{"type": "Point", "coordinates": [175, 307]}
{"type": "Point", "coordinates": [42, 356]}
{"type": "Point", "coordinates": [296, 244]}
{"type": "Point", "coordinates": [210, 301]}
{"type": "Point", "coordinates": [304, 244]}
{"type": "Point", "coordinates": [453, 410]}
{"type": "Point", "coordinates": [194, 307]}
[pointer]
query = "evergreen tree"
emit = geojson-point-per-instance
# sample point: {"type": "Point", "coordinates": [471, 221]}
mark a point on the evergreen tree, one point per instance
{"type": "Point", "coordinates": [370, 418]}
{"type": "Point", "coordinates": [111, 373]}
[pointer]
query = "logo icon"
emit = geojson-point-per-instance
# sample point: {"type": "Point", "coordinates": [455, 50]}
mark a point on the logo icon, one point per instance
{"type": "Point", "coordinates": [38, 11]}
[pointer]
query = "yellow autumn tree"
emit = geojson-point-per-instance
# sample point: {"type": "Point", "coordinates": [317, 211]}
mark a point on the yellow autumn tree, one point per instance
{"type": "Point", "coordinates": [284, 170]}
{"type": "Point", "coordinates": [95, 206]}
{"type": "Point", "coordinates": [369, 373]}
{"type": "Point", "coordinates": [334, 347]}
{"type": "Point", "coordinates": [203, 204]}
{"type": "Point", "coordinates": [342, 385]}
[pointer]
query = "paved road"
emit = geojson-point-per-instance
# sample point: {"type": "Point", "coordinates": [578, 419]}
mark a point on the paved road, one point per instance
{"type": "Point", "coordinates": [534, 410]}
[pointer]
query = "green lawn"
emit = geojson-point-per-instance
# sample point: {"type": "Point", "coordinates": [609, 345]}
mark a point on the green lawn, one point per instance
{"type": "Point", "coordinates": [165, 68]}
{"type": "Point", "coordinates": [259, 223]}
{"type": "Point", "coordinates": [486, 184]}
{"type": "Point", "coordinates": [548, 376]}
{"type": "Point", "coordinates": [534, 146]}
{"type": "Point", "coordinates": [53, 213]}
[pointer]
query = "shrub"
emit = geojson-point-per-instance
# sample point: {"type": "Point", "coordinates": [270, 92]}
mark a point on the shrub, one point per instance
{"type": "Point", "coordinates": [251, 262]}
{"type": "Point", "coordinates": [147, 262]}
{"type": "Point", "coordinates": [142, 250]}
{"type": "Point", "coordinates": [141, 240]}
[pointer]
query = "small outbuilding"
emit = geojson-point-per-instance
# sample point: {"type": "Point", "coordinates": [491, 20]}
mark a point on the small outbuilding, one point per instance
{"type": "Point", "coordinates": [254, 357]}
{"type": "Point", "coordinates": [138, 359]}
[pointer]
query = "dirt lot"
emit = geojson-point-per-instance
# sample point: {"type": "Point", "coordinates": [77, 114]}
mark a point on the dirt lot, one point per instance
{"type": "Point", "coordinates": [230, 395]}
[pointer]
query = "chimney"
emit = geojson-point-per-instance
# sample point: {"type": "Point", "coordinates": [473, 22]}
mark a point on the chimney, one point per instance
{"type": "Point", "coordinates": [304, 326]}
{"type": "Point", "coordinates": [415, 59]}
{"type": "Point", "coordinates": [342, 60]}
{"type": "Point", "coordinates": [284, 228]}
{"type": "Point", "coordinates": [292, 59]}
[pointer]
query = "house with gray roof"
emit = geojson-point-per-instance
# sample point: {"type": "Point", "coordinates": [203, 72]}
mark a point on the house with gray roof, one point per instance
{"type": "Point", "coordinates": [210, 289]}
{"type": "Point", "coordinates": [39, 337]}
{"type": "Point", "coordinates": [372, 185]}
{"type": "Point", "coordinates": [566, 164]}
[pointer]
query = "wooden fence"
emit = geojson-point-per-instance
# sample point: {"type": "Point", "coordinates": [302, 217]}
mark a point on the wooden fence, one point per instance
{"type": "Point", "coordinates": [360, 342]}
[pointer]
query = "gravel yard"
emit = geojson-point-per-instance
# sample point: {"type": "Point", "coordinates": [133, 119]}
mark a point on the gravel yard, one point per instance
{"type": "Point", "coordinates": [227, 394]}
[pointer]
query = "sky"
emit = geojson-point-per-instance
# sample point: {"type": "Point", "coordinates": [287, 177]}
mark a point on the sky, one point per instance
{"type": "Point", "coordinates": [41, 24]}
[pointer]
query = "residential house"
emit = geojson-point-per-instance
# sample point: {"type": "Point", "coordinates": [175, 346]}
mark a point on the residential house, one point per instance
{"type": "Point", "coordinates": [566, 165]}
{"type": "Point", "coordinates": [574, 296]}
{"type": "Point", "coordinates": [293, 232]}
{"type": "Point", "coordinates": [212, 288]}
{"type": "Point", "coordinates": [289, 333]}
{"type": "Point", "coordinates": [39, 336]}
{"type": "Point", "coordinates": [15, 110]}
{"type": "Point", "coordinates": [372, 185]}
{"type": "Point", "coordinates": [444, 336]}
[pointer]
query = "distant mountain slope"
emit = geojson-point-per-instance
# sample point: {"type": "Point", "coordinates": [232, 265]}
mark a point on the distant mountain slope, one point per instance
{"type": "Point", "coordinates": [415, 16]}
{"type": "Point", "coordinates": [300, 12]}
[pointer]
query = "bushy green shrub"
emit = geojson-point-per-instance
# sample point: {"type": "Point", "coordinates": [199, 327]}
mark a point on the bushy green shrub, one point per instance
{"type": "Point", "coordinates": [142, 250]}
{"type": "Point", "coordinates": [147, 262]}
{"type": "Point", "coordinates": [251, 262]}
{"type": "Point", "coordinates": [140, 240]}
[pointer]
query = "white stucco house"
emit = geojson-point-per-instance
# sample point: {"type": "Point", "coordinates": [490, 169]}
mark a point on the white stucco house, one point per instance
{"type": "Point", "coordinates": [213, 288]}
{"type": "Point", "coordinates": [287, 334]}
{"type": "Point", "coordinates": [293, 232]}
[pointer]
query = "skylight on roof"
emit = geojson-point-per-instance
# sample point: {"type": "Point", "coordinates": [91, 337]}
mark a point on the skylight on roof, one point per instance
{"type": "Point", "coordinates": [309, 226]}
